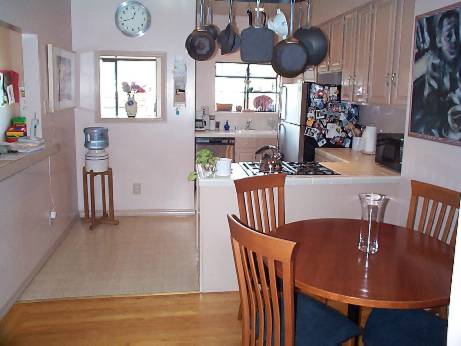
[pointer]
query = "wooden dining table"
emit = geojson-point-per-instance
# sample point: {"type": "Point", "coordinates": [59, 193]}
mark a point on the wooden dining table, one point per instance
{"type": "Point", "coordinates": [410, 270]}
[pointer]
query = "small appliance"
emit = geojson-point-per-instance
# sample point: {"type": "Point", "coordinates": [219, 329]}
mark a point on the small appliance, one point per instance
{"type": "Point", "coordinates": [389, 150]}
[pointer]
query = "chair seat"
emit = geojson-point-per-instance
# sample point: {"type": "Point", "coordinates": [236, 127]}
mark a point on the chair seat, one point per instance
{"type": "Point", "coordinates": [404, 327]}
{"type": "Point", "coordinates": [319, 324]}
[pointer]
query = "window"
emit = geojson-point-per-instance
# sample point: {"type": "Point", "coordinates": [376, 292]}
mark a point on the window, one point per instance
{"type": "Point", "coordinates": [240, 86]}
{"type": "Point", "coordinates": [138, 78]}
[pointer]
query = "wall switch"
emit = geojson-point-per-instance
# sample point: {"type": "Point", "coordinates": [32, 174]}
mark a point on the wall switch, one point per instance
{"type": "Point", "coordinates": [136, 188]}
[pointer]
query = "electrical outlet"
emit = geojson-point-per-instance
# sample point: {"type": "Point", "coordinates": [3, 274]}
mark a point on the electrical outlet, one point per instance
{"type": "Point", "coordinates": [52, 216]}
{"type": "Point", "coordinates": [136, 188]}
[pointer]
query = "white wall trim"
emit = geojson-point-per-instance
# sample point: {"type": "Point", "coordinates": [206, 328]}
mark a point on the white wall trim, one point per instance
{"type": "Point", "coordinates": [147, 212]}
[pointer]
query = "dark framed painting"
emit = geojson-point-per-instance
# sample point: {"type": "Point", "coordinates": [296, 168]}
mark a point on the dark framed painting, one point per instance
{"type": "Point", "coordinates": [436, 97]}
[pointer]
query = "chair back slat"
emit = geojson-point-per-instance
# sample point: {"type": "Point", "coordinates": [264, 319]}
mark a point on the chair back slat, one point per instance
{"type": "Point", "coordinates": [433, 219]}
{"type": "Point", "coordinates": [258, 257]}
{"type": "Point", "coordinates": [261, 201]}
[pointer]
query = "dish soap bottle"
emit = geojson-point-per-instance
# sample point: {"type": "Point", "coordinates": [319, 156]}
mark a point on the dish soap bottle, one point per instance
{"type": "Point", "coordinates": [226, 126]}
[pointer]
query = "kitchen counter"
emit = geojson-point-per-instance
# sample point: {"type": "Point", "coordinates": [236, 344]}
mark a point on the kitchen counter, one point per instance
{"type": "Point", "coordinates": [238, 133]}
{"type": "Point", "coordinates": [351, 163]}
{"type": "Point", "coordinates": [22, 161]}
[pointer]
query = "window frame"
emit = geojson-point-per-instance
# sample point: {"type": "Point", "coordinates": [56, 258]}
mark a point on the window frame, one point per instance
{"type": "Point", "coordinates": [247, 77]}
{"type": "Point", "coordinates": [161, 59]}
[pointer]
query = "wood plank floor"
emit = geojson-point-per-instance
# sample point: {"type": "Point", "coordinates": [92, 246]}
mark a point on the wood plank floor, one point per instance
{"type": "Point", "coordinates": [181, 319]}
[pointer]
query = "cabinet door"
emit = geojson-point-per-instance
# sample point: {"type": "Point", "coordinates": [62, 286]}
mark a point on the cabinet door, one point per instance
{"type": "Point", "coordinates": [323, 66]}
{"type": "Point", "coordinates": [403, 52]}
{"type": "Point", "coordinates": [350, 30]}
{"type": "Point", "coordinates": [381, 51]}
{"type": "Point", "coordinates": [362, 57]}
{"type": "Point", "coordinates": [336, 44]}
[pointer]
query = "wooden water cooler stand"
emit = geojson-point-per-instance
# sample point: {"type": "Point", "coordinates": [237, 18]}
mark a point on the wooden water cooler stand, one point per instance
{"type": "Point", "coordinates": [90, 213]}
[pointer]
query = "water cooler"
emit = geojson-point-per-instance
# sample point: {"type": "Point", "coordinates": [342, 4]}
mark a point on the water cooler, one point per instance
{"type": "Point", "coordinates": [96, 141]}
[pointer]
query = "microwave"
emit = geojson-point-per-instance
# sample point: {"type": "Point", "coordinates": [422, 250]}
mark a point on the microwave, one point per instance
{"type": "Point", "coordinates": [389, 150]}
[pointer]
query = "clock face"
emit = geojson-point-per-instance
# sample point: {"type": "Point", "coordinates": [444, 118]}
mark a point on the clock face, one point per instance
{"type": "Point", "coordinates": [132, 18]}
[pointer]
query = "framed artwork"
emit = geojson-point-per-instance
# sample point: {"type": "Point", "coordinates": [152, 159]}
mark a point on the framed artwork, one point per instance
{"type": "Point", "coordinates": [436, 97]}
{"type": "Point", "coordinates": [61, 78]}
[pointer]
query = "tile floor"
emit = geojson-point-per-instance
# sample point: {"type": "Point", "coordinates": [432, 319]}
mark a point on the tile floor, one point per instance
{"type": "Point", "coordinates": [142, 255]}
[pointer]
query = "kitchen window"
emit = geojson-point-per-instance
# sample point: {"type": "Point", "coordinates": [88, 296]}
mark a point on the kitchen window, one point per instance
{"type": "Point", "coordinates": [245, 87]}
{"type": "Point", "coordinates": [130, 86]}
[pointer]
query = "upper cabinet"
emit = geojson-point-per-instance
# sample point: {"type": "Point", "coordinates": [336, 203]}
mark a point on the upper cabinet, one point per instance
{"type": "Point", "coordinates": [391, 51]}
{"type": "Point", "coordinates": [334, 31]}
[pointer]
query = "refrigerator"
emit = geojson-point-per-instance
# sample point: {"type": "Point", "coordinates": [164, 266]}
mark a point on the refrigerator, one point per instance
{"type": "Point", "coordinates": [311, 116]}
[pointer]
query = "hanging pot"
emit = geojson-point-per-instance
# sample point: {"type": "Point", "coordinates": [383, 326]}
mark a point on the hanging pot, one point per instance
{"type": "Point", "coordinates": [200, 44]}
{"type": "Point", "coordinates": [212, 29]}
{"type": "Point", "coordinates": [257, 41]}
{"type": "Point", "coordinates": [313, 39]}
{"type": "Point", "coordinates": [289, 58]}
{"type": "Point", "coordinates": [228, 38]}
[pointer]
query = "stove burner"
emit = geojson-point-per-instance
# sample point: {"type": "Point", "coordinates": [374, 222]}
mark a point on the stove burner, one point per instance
{"type": "Point", "coordinates": [290, 168]}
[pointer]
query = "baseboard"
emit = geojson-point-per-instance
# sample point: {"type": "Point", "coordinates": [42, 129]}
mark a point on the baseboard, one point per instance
{"type": "Point", "coordinates": [5, 308]}
{"type": "Point", "coordinates": [148, 212]}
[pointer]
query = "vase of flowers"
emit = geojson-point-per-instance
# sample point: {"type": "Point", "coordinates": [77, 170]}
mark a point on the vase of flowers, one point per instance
{"type": "Point", "coordinates": [131, 106]}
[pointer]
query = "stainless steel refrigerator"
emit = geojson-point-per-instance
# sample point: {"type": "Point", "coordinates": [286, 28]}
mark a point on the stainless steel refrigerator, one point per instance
{"type": "Point", "coordinates": [293, 104]}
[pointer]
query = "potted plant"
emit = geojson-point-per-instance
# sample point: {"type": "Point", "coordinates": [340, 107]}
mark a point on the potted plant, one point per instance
{"type": "Point", "coordinates": [131, 106]}
{"type": "Point", "coordinates": [205, 165]}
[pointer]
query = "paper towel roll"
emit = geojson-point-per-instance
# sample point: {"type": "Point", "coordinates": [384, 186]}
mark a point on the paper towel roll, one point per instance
{"type": "Point", "coordinates": [369, 140]}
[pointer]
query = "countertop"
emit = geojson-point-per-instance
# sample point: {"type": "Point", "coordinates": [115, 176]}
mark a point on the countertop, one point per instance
{"type": "Point", "coordinates": [238, 133]}
{"type": "Point", "coordinates": [353, 167]}
{"type": "Point", "coordinates": [25, 160]}
{"type": "Point", "coordinates": [351, 163]}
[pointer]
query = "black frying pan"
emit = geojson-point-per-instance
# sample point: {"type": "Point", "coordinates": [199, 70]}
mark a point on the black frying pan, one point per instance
{"type": "Point", "coordinates": [212, 29]}
{"type": "Point", "coordinates": [228, 38]}
{"type": "Point", "coordinates": [313, 40]}
{"type": "Point", "coordinates": [200, 44]}
{"type": "Point", "coordinates": [290, 58]}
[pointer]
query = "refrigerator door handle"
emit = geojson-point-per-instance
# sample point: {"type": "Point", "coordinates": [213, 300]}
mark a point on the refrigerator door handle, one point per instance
{"type": "Point", "coordinates": [283, 102]}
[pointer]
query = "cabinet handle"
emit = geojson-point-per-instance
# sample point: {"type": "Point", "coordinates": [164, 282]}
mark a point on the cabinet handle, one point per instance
{"type": "Point", "coordinates": [393, 78]}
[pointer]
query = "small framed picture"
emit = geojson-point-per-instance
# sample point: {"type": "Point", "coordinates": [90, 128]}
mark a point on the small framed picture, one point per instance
{"type": "Point", "coordinates": [436, 100]}
{"type": "Point", "coordinates": [61, 78]}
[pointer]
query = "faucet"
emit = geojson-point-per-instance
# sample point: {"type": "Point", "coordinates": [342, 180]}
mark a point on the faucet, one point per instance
{"type": "Point", "coordinates": [248, 124]}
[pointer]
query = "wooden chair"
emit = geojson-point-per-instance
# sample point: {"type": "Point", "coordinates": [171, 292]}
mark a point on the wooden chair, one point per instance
{"type": "Point", "coordinates": [256, 201]}
{"type": "Point", "coordinates": [301, 321]}
{"type": "Point", "coordinates": [436, 202]}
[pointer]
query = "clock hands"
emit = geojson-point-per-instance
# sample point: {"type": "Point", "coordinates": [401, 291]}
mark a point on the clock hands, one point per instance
{"type": "Point", "coordinates": [128, 19]}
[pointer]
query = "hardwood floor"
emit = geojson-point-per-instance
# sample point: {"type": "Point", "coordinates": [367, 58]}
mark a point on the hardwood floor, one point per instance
{"type": "Point", "coordinates": [181, 319]}
{"type": "Point", "coordinates": [172, 319]}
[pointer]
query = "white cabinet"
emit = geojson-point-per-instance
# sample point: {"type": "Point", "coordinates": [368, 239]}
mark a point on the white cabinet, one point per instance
{"type": "Point", "coordinates": [245, 148]}
{"type": "Point", "coordinates": [391, 48]}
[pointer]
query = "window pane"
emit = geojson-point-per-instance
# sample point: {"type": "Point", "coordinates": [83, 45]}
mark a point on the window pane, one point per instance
{"type": "Point", "coordinates": [263, 85]}
{"type": "Point", "coordinates": [231, 69]}
{"type": "Point", "coordinates": [143, 74]}
{"type": "Point", "coordinates": [259, 70]}
{"type": "Point", "coordinates": [230, 91]}
{"type": "Point", "coordinates": [107, 92]}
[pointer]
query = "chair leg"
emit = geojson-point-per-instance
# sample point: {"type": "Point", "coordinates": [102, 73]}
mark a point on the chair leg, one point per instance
{"type": "Point", "coordinates": [239, 315]}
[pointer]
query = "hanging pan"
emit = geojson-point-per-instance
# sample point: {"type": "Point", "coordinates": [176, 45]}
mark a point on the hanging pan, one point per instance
{"type": "Point", "coordinates": [212, 29]}
{"type": "Point", "coordinates": [257, 41]}
{"type": "Point", "coordinates": [200, 44]}
{"type": "Point", "coordinates": [228, 38]}
{"type": "Point", "coordinates": [313, 39]}
{"type": "Point", "coordinates": [290, 58]}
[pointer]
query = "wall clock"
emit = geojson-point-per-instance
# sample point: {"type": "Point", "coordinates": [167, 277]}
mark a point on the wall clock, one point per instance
{"type": "Point", "coordinates": [132, 18]}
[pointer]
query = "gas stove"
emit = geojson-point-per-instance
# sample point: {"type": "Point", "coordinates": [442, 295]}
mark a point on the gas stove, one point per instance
{"type": "Point", "coordinates": [290, 168]}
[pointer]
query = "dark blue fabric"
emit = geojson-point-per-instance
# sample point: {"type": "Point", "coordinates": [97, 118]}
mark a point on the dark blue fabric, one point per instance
{"type": "Point", "coordinates": [404, 327]}
{"type": "Point", "coordinates": [317, 324]}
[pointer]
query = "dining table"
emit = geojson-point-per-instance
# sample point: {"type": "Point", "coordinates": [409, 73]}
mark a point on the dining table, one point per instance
{"type": "Point", "coordinates": [411, 270]}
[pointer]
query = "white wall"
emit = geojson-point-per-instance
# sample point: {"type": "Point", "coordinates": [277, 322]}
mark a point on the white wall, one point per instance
{"type": "Point", "coordinates": [158, 155]}
{"type": "Point", "coordinates": [25, 235]}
